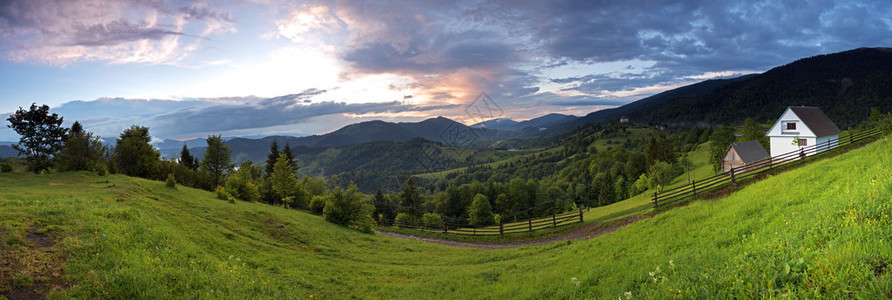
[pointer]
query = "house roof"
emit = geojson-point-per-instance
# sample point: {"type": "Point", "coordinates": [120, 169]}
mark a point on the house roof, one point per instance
{"type": "Point", "coordinates": [816, 120]}
{"type": "Point", "coordinates": [749, 151]}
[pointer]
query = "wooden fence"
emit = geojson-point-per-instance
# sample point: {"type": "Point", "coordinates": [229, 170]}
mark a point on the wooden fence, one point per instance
{"type": "Point", "coordinates": [758, 167]}
{"type": "Point", "coordinates": [553, 221]}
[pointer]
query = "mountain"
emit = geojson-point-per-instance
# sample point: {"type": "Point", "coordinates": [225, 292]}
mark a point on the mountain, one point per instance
{"type": "Point", "coordinates": [500, 123]}
{"type": "Point", "coordinates": [8, 151]}
{"type": "Point", "coordinates": [613, 114]}
{"type": "Point", "coordinates": [844, 85]}
{"type": "Point", "coordinates": [535, 124]}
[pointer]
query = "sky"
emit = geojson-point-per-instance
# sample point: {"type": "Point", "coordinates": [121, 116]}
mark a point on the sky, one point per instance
{"type": "Point", "coordinates": [190, 69]}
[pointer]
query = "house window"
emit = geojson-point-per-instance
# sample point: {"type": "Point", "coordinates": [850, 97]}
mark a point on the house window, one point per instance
{"type": "Point", "coordinates": [803, 142]}
{"type": "Point", "coordinates": [791, 126]}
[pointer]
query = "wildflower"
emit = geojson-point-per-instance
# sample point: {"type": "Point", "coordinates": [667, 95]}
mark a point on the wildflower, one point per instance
{"type": "Point", "coordinates": [628, 295]}
{"type": "Point", "coordinates": [671, 264]}
{"type": "Point", "coordinates": [575, 281]}
{"type": "Point", "coordinates": [651, 274]}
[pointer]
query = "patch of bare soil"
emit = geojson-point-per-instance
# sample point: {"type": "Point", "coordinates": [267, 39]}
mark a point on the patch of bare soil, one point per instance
{"type": "Point", "coordinates": [31, 268]}
{"type": "Point", "coordinates": [584, 232]}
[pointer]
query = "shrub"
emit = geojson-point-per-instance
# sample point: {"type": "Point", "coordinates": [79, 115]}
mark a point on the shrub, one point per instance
{"type": "Point", "coordinates": [407, 219]}
{"type": "Point", "coordinates": [349, 208]}
{"type": "Point", "coordinates": [432, 220]}
{"type": "Point", "coordinates": [5, 167]}
{"type": "Point", "coordinates": [222, 194]}
{"type": "Point", "coordinates": [241, 187]}
{"type": "Point", "coordinates": [100, 168]}
{"type": "Point", "coordinates": [317, 204]}
{"type": "Point", "coordinates": [171, 182]}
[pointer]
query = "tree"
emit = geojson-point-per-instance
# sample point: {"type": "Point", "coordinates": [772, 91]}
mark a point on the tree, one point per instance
{"type": "Point", "coordinates": [187, 160]}
{"type": "Point", "coordinates": [42, 135]}
{"type": "Point", "coordinates": [290, 156]}
{"type": "Point", "coordinates": [661, 174]}
{"type": "Point", "coordinates": [241, 184]}
{"type": "Point", "coordinates": [480, 211]}
{"type": "Point", "coordinates": [216, 161]}
{"type": "Point", "coordinates": [349, 208]}
{"type": "Point", "coordinates": [409, 199]}
{"type": "Point", "coordinates": [82, 151]}
{"type": "Point", "coordinates": [659, 150]}
{"type": "Point", "coordinates": [134, 155]}
{"type": "Point", "coordinates": [721, 138]}
{"type": "Point", "coordinates": [272, 157]}
{"type": "Point", "coordinates": [284, 184]}
{"type": "Point", "coordinates": [752, 131]}
{"type": "Point", "coordinates": [640, 185]}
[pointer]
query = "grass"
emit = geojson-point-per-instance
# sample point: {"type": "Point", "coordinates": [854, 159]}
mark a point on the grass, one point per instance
{"type": "Point", "coordinates": [821, 230]}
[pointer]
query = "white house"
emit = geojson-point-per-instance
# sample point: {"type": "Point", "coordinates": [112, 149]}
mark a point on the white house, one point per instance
{"type": "Point", "coordinates": [809, 124]}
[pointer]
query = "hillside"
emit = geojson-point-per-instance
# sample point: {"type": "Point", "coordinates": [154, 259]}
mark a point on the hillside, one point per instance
{"type": "Point", "coordinates": [844, 85]}
{"type": "Point", "coordinates": [123, 237]}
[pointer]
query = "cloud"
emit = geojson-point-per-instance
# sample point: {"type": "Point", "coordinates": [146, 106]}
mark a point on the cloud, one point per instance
{"type": "Point", "coordinates": [60, 32]}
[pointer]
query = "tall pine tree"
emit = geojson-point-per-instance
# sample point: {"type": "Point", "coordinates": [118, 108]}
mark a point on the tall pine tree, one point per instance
{"type": "Point", "coordinates": [290, 156]}
{"type": "Point", "coordinates": [187, 160]}
{"type": "Point", "coordinates": [217, 162]}
{"type": "Point", "coordinates": [272, 157]}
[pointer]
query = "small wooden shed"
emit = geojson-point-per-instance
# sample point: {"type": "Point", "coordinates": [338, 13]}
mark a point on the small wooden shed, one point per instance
{"type": "Point", "coordinates": [743, 154]}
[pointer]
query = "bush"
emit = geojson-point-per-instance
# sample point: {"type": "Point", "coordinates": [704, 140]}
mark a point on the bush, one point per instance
{"type": "Point", "coordinates": [171, 182]}
{"type": "Point", "coordinates": [349, 208]}
{"type": "Point", "coordinates": [317, 204]}
{"type": "Point", "coordinates": [222, 194]}
{"type": "Point", "coordinates": [407, 219]}
{"type": "Point", "coordinates": [100, 168]}
{"type": "Point", "coordinates": [241, 187]}
{"type": "Point", "coordinates": [432, 220]}
{"type": "Point", "coordinates": [480, 211]}
{"type": "Point", "coordinates": [5, 167]}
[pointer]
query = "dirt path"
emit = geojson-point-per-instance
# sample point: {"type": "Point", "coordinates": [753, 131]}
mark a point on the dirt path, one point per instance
{"type": "Point", "coordinates": [585, 232]}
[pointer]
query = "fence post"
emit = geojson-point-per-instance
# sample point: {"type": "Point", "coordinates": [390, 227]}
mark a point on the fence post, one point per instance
{"type": "Point", "coordinates": [694, 187]}
{"type": "Point", "coordinates": [530, 221]}
{"type": "Point", "coordinates": [501, 228]}
{"type": "Point", "coordinates": [732, 175]}
{"type": "Point", "coordinates": [422, 226]}
{"type": "Point", "coordinates": [769, 163]}
{"type": "Point", "coordinates": [445, 228]}
{"type": "Point", "coordinates": [553, 220]}
{"type": "Point", "coordinates": [580, 215]}
{"type": "Point", "coordinates": [656, 200]}
{"type": "Point", "coordinates": [474, 228]}
{"type": "Point", "coordinates": [850, 138]}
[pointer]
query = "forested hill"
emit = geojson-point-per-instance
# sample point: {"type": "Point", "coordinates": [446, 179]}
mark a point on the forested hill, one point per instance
{"type": "Point", "coordinates": [844, 85]}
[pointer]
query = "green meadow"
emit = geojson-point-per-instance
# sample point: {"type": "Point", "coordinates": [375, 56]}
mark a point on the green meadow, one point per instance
{"type": "Point", "coordinates": [822, 230]}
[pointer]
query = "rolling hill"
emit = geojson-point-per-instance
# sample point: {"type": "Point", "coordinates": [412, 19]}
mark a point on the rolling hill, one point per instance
{"type": "Point", "coordinates": [84, 236]}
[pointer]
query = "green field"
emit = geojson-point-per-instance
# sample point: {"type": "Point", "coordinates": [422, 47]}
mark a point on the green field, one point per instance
{"type": "Point", "coordinates": [820, 230]}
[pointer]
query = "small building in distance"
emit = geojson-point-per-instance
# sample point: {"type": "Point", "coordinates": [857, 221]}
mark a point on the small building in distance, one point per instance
{"type": "Point", "coordinates": [809, 124]}
{"type": "Point", "coordinates": [624, 119]}
{"type": "Point", "coordinates": [743, 154]}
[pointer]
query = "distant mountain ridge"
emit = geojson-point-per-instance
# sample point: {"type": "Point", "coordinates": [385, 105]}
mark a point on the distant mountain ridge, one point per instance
{"type": "Point", "coordinates": [539, 123]}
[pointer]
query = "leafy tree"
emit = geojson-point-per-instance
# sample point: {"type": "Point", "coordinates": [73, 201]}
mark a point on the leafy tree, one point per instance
{"type": "Point", "coordinates": [752, 131]}
{"type": "Point", "coordinates": [686, 164]}
{"type": "Point", "coordinates": [217, 162]}
{"type": "Point", "coordinates": [134, 155]}
{"type": "Point", "coordinates": [82, 151]}
{"type": "Point", "coordinates": [272, 157]}
{"type": "Point", "coordinates": [187, 160]}
{"type": "Point", "coordinates": [384, 211]}
{"type": "Point", "coordinates": [241, 184]}
{"type": "Point", "coordinates": [661, 174]}
{"type": "Point", "coordinates": [42, 135]}
{"type": "Point", "coordinates": [409, 199]}
{"type": "Point", "coordinates": [640, 185]}
{"type": "Point", "coordinates": [721, 138]}
{"type": "Point", "coordinates": [348, 208]}
{"type": "Point", "coordinates": [480, 212]}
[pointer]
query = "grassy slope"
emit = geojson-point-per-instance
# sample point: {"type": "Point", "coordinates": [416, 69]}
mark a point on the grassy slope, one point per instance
{"type": "Point", "coordinates": [823, 228]}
